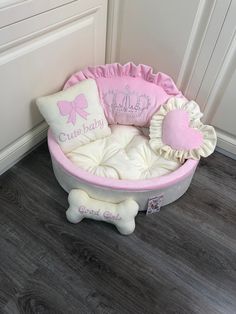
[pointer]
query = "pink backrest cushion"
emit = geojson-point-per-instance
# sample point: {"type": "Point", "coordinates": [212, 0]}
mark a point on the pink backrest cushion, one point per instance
{"type": "Point", "coordinates": [129, 94]}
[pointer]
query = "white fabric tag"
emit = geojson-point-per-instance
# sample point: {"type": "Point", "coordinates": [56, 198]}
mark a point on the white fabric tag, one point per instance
{"type": "Point", "coordinates": [154, 204]}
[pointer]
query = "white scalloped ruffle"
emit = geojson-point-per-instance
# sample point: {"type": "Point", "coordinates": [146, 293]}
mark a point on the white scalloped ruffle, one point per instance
{"type": "Point", "coordinates": [208, 132]}
{"type": "Point", "coordinates": [128, 69]}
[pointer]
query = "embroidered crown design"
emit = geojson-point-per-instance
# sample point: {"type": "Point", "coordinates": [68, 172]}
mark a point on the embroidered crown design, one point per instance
{"type": "Point", "coordinates": [126, 101]}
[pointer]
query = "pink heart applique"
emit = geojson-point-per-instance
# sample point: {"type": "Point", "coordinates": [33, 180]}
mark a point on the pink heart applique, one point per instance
{"type": "Point", "coordinates": [177, 133]}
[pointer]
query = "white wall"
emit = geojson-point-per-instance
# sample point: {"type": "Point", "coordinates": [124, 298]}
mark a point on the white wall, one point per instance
{"type": "Point", "coordinates": [166, 34]}
{"type": "Point", "coordinates": [189, 41]}
{"type": "Point", "coordinates": [149, 32]}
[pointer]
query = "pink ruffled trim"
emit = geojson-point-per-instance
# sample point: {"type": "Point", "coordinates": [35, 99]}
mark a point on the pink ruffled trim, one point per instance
{"type": "Point", "coordinates": [128, 69]}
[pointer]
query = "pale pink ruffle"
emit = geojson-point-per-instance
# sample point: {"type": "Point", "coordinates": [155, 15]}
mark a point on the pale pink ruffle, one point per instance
{"type": "Point", "coordinates": [128, 69]}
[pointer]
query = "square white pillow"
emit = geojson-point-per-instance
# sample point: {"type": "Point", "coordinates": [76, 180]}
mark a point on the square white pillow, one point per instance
{"type": "Point", "coordinates": [75, 115]}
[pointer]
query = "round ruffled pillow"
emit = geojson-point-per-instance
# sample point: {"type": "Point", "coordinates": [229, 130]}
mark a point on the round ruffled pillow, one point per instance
{"type": "Point", "coordinates": [176, 131]}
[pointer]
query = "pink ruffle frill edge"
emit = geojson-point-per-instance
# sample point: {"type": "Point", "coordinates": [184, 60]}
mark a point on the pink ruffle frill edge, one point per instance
{"type": "Point", "coordinates": [128, 69]}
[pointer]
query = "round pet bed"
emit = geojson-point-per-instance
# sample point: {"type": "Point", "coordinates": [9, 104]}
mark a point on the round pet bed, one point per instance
{"type": "Point", "coordinates": [154, 89]}
{"type": "Point", "coordinates": [90, 106]}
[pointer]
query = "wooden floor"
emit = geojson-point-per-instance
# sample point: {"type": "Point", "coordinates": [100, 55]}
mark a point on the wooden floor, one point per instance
{"type": "Point", "coordinates": [182, 260]}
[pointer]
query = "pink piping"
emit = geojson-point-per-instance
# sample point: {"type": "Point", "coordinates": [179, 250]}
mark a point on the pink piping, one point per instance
{"type": "Point", "coordinates": [128, 185]}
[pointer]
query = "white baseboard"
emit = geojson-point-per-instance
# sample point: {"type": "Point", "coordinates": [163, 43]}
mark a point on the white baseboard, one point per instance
{"type": "Point", "coordinates": [226, 144]}
{"type": "Point", "coordinates": [225, 152]}
{"type": "Point", "coordinates": [22, 146]}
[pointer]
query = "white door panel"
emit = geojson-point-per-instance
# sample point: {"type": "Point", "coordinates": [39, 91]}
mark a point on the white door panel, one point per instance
{"type": "Point", "coordinates": [12, 11]}
{"type": "Point", "coordinates": [18, 32]}
{"type": "Point", "coordinates": [39, 63]}
{"type": "Point", "coordinates": [39, 67]}
{"type": "Point", "coordinates": [225, 114]}
{"type": "Point", "coordinates": [166, 34]}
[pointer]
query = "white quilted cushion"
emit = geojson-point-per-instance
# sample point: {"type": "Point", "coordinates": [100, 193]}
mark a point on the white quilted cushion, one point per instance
{"type": "Point", "coordinates": [125, 154]}
{"type": "Point", "coordinates": [147, 163]}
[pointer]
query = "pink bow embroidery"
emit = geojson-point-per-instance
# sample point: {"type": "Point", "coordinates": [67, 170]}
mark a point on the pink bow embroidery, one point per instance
{"type": "Point", "coordinates": [71, 108]}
